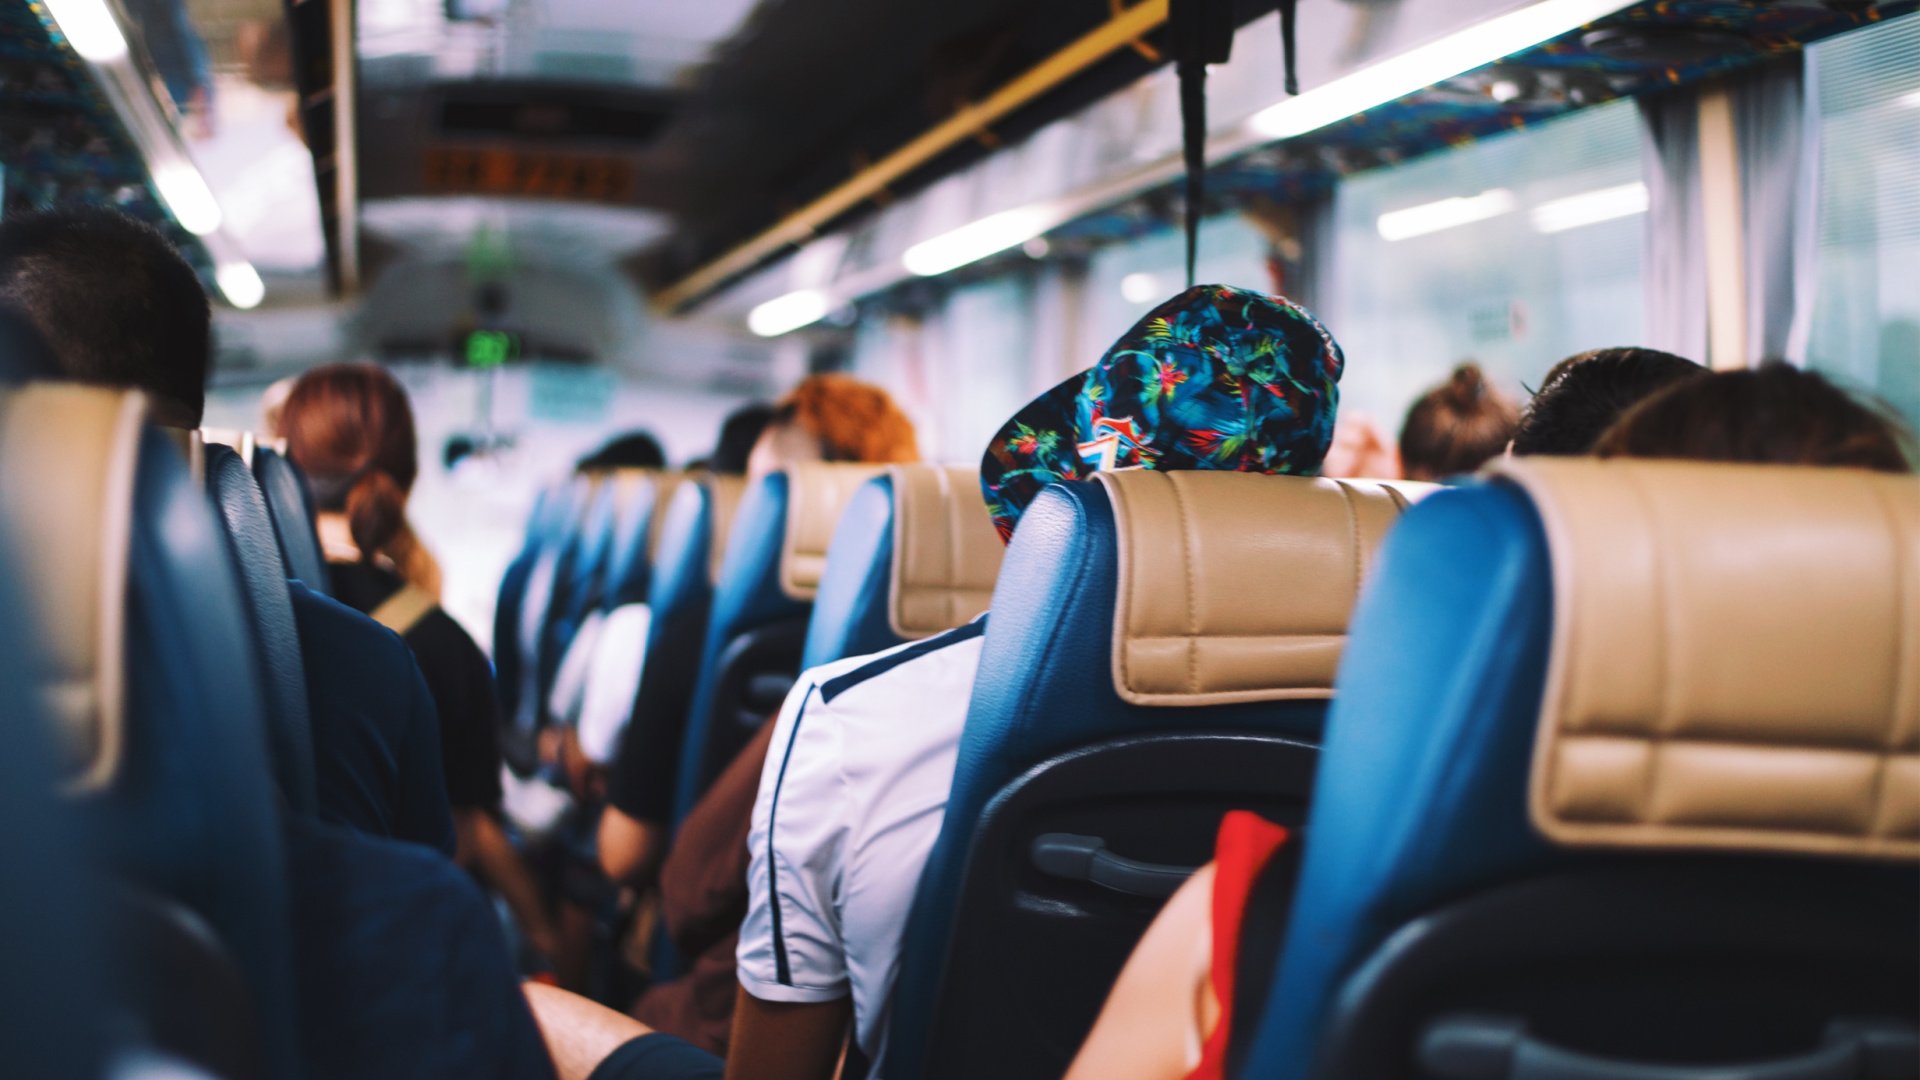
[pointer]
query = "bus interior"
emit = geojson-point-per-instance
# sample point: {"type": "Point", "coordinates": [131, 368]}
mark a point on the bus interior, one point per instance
{"type": "Point", "coordinates": [622, 539]}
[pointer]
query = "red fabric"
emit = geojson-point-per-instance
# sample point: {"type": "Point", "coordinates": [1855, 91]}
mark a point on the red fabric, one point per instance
{"type": "Point", "coordinates": [1245, 843]}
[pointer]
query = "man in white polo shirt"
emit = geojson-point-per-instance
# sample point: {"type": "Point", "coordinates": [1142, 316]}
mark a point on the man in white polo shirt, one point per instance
{"type": "Point", "coordinates": [862, 757]}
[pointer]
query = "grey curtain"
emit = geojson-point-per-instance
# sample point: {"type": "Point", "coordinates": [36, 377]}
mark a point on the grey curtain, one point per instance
{"type": "Point", "coordinates": [1776, 124]}
{"type": "Point", "coordinates": [1676, 265]}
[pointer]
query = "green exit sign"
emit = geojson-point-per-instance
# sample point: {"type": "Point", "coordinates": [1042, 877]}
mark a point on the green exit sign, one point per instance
{"type": "Point", "coordinates": [489, 348]}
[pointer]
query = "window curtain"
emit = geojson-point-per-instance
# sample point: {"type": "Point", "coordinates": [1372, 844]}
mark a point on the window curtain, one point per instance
{"type": "Point", "coordinates": [1776, 130]}
{"type": "Point", "coordinates": [1676, 261]}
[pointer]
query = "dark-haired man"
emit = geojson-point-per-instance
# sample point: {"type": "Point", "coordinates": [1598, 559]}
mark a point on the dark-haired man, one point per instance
{"type": "Point", "coordinates": [1585, 393]}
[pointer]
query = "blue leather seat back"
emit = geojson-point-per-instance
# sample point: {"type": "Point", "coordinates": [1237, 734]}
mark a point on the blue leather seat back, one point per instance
{"type": "Point", "coordinates": [850, 614]}
{"type": "Point", "coordinates": [636, 536]}
{"type": "Point", "coordinates": [292, 509]}
{"type": "Point", "coordinates": [1047, 694]}
{"type": "Point", "coordinates": [1430, 768]}
{"type": "Point", "coordinates": [915, 554]}
{"type": "Point", "coordinates": [167, 747]}
{"type": "Point", "coordinates": [774, 560]}
{"type": "Point", "coordinates": [536, 594]}
{"type": "Point", "coordinates": [1438, 689]}
{"type": "Point", "coordinates": [255, 547]}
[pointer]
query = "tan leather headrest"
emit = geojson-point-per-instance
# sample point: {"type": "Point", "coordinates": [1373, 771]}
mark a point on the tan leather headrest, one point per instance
{"type": "Point", "coordinates": [946, 554]}
{"type": "Point", "coordinates": [1236, 587]}
{"type": "Point", "coordinates": [817, 492]}
{"type": "Point", "coordinates": [68, 456]}
{"type": "Point", "coordinates": [725, 491]}
{"type": "Point", "coordinates": [664, 485]}
{"type": "Point", "coordinates": [1735, 659]}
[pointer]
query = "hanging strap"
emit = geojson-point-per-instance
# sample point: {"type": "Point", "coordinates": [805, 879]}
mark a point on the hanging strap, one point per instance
{"type": "Point", "coordinates": [1193, 142]}
{"type": "Point", "coordinates": [403, 610]}
{"type": "Point", "coordinates": [1287, 13]}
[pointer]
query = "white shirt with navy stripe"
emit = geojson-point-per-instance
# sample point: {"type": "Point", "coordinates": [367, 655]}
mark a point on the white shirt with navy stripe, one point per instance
{"type": "Point", "coordinates": [850, 803]}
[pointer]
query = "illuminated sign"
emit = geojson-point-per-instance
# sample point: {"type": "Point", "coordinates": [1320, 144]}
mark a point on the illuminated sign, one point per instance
{"type": "Point", "coordinates": [492, 171]}
{"type": "Point", "coordinates": [490, 348]}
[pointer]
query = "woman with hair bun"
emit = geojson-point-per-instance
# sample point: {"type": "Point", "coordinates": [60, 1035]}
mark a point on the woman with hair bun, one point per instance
{"type": "Point", "coordinates": [1456, 427]}
{"type": "Point", "coordinates": [350, 428]}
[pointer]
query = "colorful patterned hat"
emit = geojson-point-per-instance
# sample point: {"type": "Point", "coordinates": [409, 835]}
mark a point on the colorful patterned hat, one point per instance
{"type": "Point", "coordinates": [1215, 378]}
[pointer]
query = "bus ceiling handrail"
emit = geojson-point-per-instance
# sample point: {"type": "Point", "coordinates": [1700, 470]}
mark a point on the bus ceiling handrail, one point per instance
{"type": "Point", "coordinates": [1119, 32]}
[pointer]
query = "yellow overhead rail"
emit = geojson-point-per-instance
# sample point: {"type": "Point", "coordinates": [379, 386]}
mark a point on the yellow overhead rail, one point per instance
{"type": "Point", "coordinates": [1119, 32]}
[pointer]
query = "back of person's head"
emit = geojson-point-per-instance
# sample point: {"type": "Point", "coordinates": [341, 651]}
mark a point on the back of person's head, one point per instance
{"type": "Point", "coordinates": [350, 428]}
{"type": "Point", "coordinates": [1771, 415]}
{"type": "Point", "coordinates": [738, 433]}
{"type": "Point", "coordinates": [1456, 427]}
{"type": "Point", "coordinates": [834, 418]}
{"type": "Point", "coordinates": [1214, 378]}
{"type": "Point", "coordinates": [634, 450]}
{"type": "Point", "coordinates": [1585, 393]}
{"type": "Point", "coordinates": [115, 303]}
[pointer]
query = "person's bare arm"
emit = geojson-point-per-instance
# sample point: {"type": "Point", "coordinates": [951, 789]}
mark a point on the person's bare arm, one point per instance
{"type": "Point", "coordinates": [1162, 997]}
{"type": "Point", "coordinates": [484, 844]}
{"type": "Point", "coordinates": [776, 1040]}
{"type": "Point", "coordinates": [579, 1033]}
{"type": "Point", "coordinates": [630, 850]}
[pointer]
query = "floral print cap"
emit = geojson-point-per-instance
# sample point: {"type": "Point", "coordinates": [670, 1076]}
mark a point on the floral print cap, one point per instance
{"type": "Point", "coordinates": [1215, 378]}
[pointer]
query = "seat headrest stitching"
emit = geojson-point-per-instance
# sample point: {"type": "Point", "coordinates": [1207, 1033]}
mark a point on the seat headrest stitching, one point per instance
{"type": "Point", "coordinates": [1663, 586]}
{"type": "Point", "coordinates": [950, 511]}
{"type": "Point", "coordinates": [1903, 586]}
{"type": "Point", "coordinates": [1354, 542]}
{"type": "Point", "coordinates": [116, 542]}
{"type": "Point", "coordinates": [1187, 561]}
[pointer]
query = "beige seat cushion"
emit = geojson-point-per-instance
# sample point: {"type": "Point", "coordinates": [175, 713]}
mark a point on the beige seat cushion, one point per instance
{"type": "Point", "coordinates": [725, 493]}
{"type": "Point", "coordinates": [1237, 587]}
{"type": "Point", "coordinates": [946, 554]}
{"type": "Point", "coordinates": [1736, 658]}
{"type": "Point", "coordinates": [68, 458]}
{"type": "Point", "coordinates": [816, 494]}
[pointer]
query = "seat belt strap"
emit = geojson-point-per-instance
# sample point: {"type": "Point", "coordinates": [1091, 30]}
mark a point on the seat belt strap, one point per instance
{"type": "Point", "coordinates": [403, 610]}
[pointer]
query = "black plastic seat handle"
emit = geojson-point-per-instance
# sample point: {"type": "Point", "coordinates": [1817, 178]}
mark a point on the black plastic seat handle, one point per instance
{"type": "Point", "coordinates": [1086, 858]}
{"type": "Point", "coordinates": [1473, 1047]}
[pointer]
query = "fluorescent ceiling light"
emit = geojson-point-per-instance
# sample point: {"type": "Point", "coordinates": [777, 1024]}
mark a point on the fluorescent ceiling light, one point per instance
{"type": "Point", "coordinates": [1139, 288]}
{"type": "Point", "coordinates": [1590, 208]}
{"type": "Point", "coordinates": [186, 193]}
{"type": "Point", "coordinates": [1444, 214]}
{"type": "Point", "coordinates": [1911, 101]}
{"type": "Point", "coordinates": [240, 283]}
{"type": "Point", "coordinates": [1396, 77]}
{"type": "Point", "coordinates": [90, 28]}
{"type": "Point", "coordinates": [971, 243]}
{"type": "Point", "coordinates": [784, 314]}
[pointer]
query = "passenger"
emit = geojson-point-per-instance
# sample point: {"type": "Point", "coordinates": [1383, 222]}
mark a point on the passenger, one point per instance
{"type": "Point", "coordinates": [824, 418]}
{"type": "Point", "coordinates": [1775, 414]}
{"type": "Point", "coordinates": [1163, 1019]}
{"type": "Point", "coordinates": [589, 1041]}
{"type": "Point", "coordinates": [350, 428]}
{"type": "Point", "coordinates": [853, 792]}
{"type": "Point", "coordinates": [1456, 427]}
{"type": "Point", "coordinates": [397, 965]}
{"type": "Point", "coordinates": [1585, 393]}
{"type": "Point", "coordinates": [142, 321]}
{"type": "Point", "coordinates": [738, 435]}
{"type": "Point", "coordinates": [634, 450]}
{"type": "Point", "coordinates": [704, 883]}
{"type": "Point", "coordinates": [833, 418]}
{"type": "Point", "coordinates": [1360, 451]}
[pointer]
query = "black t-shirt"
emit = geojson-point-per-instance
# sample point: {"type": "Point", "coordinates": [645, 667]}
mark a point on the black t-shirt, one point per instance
{"type": "Point", "coordinates": [376, 730]}
{"type": "Point", "coordinates": [457, 674]}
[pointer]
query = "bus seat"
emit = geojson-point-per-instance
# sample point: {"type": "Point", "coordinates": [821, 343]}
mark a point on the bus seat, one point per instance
{"type": "Point", "coordinates": [53, 1008]}
{"type": "Point", "coordinates": [636, 537]}
{"type": "Point", "coordinates": [510, 601]}
{"type": "Point", "coordinates": [611, 670]}
{"type": "Point", "coordinates": [276, 639]}
{"type": "Point", "coordinates": [1620, 758]}
{"type": "Point", "coordinates": [292, 509]}
{"type": "Point", "coordinates": [532, 604]}
{"type": "Point", "coordinates": [1161, 650]}
{"type": "Point", "coordinates": [133, 600]}
{"type": "Point", "coordinates": [698, 521]}
{"type": "Point", "coordinates": [774, 560]}
{"type": "Point", "coordinates": [615, 552]}
{"type": "Point", "coordinates": [915, 554]}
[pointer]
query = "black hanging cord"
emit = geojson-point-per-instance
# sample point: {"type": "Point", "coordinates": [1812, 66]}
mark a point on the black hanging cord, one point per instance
{"type": "Point", "coordinates": [1193, 140]}
{"type": "Point", "coordinates": [1286, 44]}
